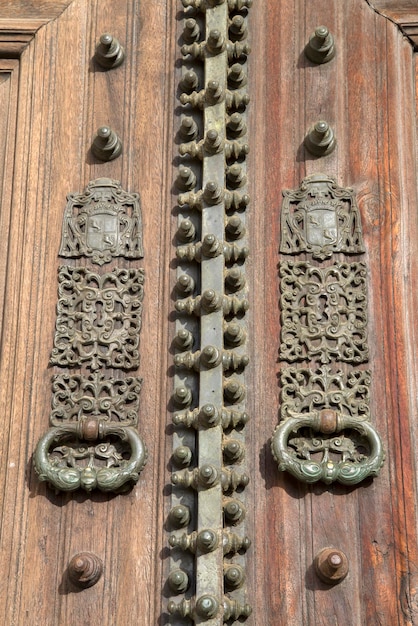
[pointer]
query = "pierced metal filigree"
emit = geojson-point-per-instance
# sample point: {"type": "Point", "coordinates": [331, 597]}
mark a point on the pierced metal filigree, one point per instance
{"type": "Point", "coordinates": [92, 442]}
{"type": "Point", "coordinates": [76, 397]}
{"type": "Point", "coordinates": [102, 223]}
{"type": "Point", "coordinates": [98, 318]}
{"type": "Point", "coordinates": [306, 391]}
{"type": "Point", "coordinates": [320, 218]}
{"type": "Point", "coordinates": [324, 312]}
{"type": "Point", "coordinates": [325, 432]}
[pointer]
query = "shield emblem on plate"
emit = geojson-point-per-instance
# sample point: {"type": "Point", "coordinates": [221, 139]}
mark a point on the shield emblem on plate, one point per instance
{"type": "Point", "coordinates": [321, 226]}
{"type": "Point", "coordinates": [102, 231]}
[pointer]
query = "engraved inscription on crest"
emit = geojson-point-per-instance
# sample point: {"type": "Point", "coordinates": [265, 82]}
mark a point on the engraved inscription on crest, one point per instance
{"type": "Point", "coordinates": [324, 312]}
{"type": "Point", "coordinates": [98, 318]}
{"type": "Point", "coordinates": [320, 218]}
{"type": "Point", "coordinates": [102, 223]}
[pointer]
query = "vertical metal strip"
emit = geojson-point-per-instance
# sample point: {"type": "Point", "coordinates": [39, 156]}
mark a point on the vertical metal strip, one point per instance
{"type": "Point", "coordinates": [209, 567]}
{"type": "Point", "coordinates": [212, 236]}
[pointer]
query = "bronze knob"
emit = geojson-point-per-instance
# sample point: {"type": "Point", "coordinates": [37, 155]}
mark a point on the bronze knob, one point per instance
{"type": "Point", "coordinates": [320, 48]}
{"type": "Point", "coordinates": [331, 565]}
{"type": "Point", "coordinates": [109, 52]}
{"type": "Point", "coordinates": [106, 144]}
{"type": "Point", "coordinates": [85, 569]}
{"type": "Point", "coordinates": [320, 140]}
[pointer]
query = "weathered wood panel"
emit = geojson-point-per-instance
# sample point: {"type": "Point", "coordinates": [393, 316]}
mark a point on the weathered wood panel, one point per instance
{"type": "Point", "coordinates": [367, 94]}
{"type": "Point", "coordinates": [63, 98]}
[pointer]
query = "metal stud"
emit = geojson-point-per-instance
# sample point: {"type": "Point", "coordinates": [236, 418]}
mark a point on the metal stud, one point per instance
{"type": "Point", "coordinates": [236, 126]}
{"type": "Point", "coordinates": [106, 145]}
{"type": "Point", "coordinates": [182, 396]}
{"type": "Point", "coordinates": [188, 128]}
{"type": "Point", "coordinates": [320, 140]}
{"type": "Point", "coordinates": [234, 511]}
{"type": "Point", "coordinates": [182, 456]}
{"type": "Point", "coordinates": [331, 565]}
{"type": "Point", "coordinates": [109, 53]}
{"type": "Point", "coordinates": [234, 576]}
{"type": "Point", "coordinates": [186, 231]}
{"type": "Point", "coordinates": [234, 227]}
{"type": "Point", "coordinates": [85, 569]}
{"type": "Point", "coordinates": [183, 339]}
{"type": "Point", "coordinates": [179, 516]}
{"type": "Point", "coordinates": [185, 285]}
{"type": "Point", "coordinates": [320, 48]}
{"type": "Point", "coordinates": [189, 81]}
{"type": "Point", "coordinates": [237, 78]}
{"type": "Point", "coordinates": [178, 581]}
{"type": "Point", "coordinates": [191, 31]}
{"type": "Point", "coordinates": [215, 43]}
{"type": "Point", "coordinates": [237, 28]}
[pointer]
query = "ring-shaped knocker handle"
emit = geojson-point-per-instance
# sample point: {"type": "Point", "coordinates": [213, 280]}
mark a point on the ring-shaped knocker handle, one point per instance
{"type": "Point", "coordinates": [347, 472]}
{"type": "Point", "coordinates": [115, 478]}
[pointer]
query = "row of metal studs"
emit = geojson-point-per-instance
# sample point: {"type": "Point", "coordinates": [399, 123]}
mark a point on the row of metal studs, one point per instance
{"type": "Point", "coordinates": [212, 238]}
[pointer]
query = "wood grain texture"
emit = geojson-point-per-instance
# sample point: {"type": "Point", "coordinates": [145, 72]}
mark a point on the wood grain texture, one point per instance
{"type": "Point", "coordinates": [40, 10]}
{"type": "Point", "coordinates": [62, 99]}
{"type": "Point", "coordinates": [403, 12]}
{"type": "Point", "coordinates": [53, 99]}
{"type": "Point", "coordinates": [368, 95]}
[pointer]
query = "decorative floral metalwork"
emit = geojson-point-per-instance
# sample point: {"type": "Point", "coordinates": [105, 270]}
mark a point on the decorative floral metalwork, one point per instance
{"type": "Point", "coordinates": [68, 463]}
{"type": "Point", "coordinates": [98, 318]}
{"type": "Point", "coordinates": [75, 397]}
{"type": "Point", "coordinates": [325, 432]}
{"type": "Point", "coordinates": [302, 446]}
{"type": "Point", "coordinates": [102, 223]}
{"type": "Point", "coordinates": [320, 218]}
{"type": "Point", "coordinates": [324, 312]}
{"type": "Point", "coordinates": [92, 442]}
{"type": "Point", "coordinates": [306, 391]}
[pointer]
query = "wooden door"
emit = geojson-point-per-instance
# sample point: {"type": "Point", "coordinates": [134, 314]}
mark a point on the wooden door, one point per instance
{"type": "Point", "coordinates": [54, 97]}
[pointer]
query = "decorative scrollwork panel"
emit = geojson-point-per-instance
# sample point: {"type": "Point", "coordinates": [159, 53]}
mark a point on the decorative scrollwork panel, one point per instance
{"type": "Point", "coordinates": [305, 391]}
{"type": "Point", "coordinates": [94, 397]}
{"type": "Point", "coordinates": [98, 318]}
{"type": "Point", "coordinates": [324, 312]}
{"type": "Point", "coordinates": [325, 432]}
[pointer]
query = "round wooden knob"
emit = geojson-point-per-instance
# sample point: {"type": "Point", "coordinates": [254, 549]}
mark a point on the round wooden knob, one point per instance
{"type": "Point", "coordinates": [331, 565]}
{"type": "Point", "coordinates": [85, 569]}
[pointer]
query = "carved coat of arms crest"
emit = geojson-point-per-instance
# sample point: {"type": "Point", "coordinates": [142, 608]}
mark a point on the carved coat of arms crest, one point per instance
{"type": "Point", "coordinates": [102, 223]}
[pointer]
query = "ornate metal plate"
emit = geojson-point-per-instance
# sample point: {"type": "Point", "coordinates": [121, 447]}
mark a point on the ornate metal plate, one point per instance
{"type": "Point", "coordinates": [102, 223]}
{"type": "Point", "coordinates": [324, 312]}
{"type": "Point", "coordinates": [320, 218]}
{"type": "Point", "coordinates": [306, 390]}
{"type": "Point", "coordinates": [92, 442]}
{"type": "Point", "coordinates": [325, 432]}
{"type": "Point", "coordinates": [67, 462]}
{"type": "Point", "coordinates": [93, 397]}
{"type": "Point", "coordinates": [98, 318]}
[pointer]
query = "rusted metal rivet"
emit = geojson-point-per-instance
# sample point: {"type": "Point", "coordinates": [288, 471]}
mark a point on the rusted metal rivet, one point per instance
{"type": "Point", "coordinates": [331, 565]}
{"type": "Point", "coordinates": [85, 569]}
